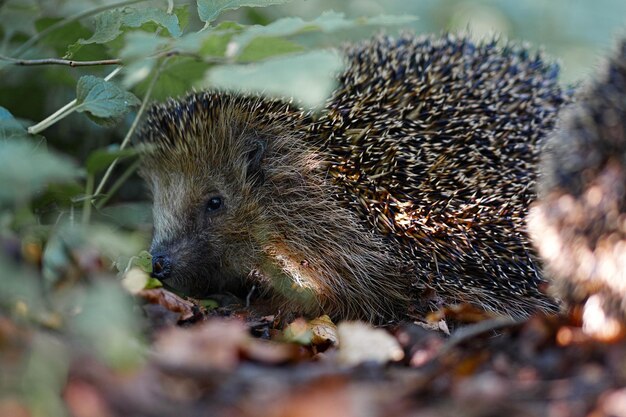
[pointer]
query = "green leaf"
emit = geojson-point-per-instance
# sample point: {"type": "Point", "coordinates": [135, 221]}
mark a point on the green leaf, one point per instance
{"type": "Point", "coordinates": [263, 48]}
{"type": "Point", "coordinates": [307, 77]}
{"type": "Point", "coordinates": [58, 195]}
{"type": "Point", "coordinates": [102, 158]}
{"type": "Point", "coordinates": [109, 325]}
{"type": "Point", "coordinates": [19, 284]}
{"type": "Point", "coordinates": [137, 71]}
{"type": "Point", "coordinates": [327, 22]}
{"type": "Point", "coordinates": [141, 45]}
{"type": "Point", "coordinates": [10, 128]}
{"type": "Point", "coordinates": [72, 50]}
{"type": "Point", "coordinates": [144, 261]}
{"type": "Point", "coordinates": [177, 77]}
{"type": "Point", "coordinates": [112, 242]}
{"type": "Point", "coordinates": [207, 303]}
{"type": "Point", "coordinates": [26, 169]}
{"type": "Point", "coordinates": [102, 100]}
{"type": "Point", "coordinates": [69, 239]}
{"type": "Point", "coordinates": [135, 18]}
{"type": "Point", "coordinates": [153, 283]}
{"type": "Point", "coordinates": [45, 370]}
{"type": "Point", "coordinates": [208, 43]}
{"type": "Point", "coordinates": [182, 12]}
{"type": "Point", "coordinates": [109, 24]}
{"type": "Point", "coordinates": [108, 27]}
{"type": "Point", "coordinates": [208, 10]}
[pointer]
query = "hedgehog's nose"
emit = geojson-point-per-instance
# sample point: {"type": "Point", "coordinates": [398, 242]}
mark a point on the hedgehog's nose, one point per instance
{"type": "Point", "coordinates": [161, 266]}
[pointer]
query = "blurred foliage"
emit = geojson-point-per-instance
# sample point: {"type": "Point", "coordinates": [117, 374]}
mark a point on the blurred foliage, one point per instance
{"type": "Point", "coordinates": [577, 33]}
{"type": "Point", "coordinates": [74, 217]}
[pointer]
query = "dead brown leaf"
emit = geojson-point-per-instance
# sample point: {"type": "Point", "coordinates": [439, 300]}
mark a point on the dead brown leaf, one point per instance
{"type": "Point", "coordinates": [12, 407]}
{"type": "Point", "coordinates": [84, 400]}
{"type": "Point", "coordinates": [171, 302]}
{"type": "Point", "coordinates": [214, 344]}
{"type": "Point", "coordinates": [324, 331]}
{"type": "Point", "coordinates": [460, 313]}
{"type": "Point", "coordinates": [273, 352]}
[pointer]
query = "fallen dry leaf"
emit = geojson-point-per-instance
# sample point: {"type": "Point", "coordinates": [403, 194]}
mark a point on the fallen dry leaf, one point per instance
{"type": "Point", "coordinates": [273, 352]}
{"type": "Point", "coordinates": [360, 342]}
{"type": "Point", "coordinates": [12, 407]}
{"type": "Point", "coordinates": [324, 331]}
{"type": "Point", "coordinates": [599, 324]}
{"type": "Point", "coordinates": [85, 401]}
{"type": "Point", "coordinates": [214, 344]}
{"type": "Point", "coordinates": [298, 331]}
{"type": "Point", "coordinates": [320, 332]}
{"type": "Point", "coordinates": [329, 397]}
{"type": "Point", "coordinates": [171, 302]}
{"type": "Point", "coordinates": [613, 404]}
{"type": "Point", "coordinates": [461, 313]}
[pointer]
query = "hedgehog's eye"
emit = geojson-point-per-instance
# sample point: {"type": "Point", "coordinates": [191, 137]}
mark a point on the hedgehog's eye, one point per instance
{"type": "Point", "coordinates": [214, 204]}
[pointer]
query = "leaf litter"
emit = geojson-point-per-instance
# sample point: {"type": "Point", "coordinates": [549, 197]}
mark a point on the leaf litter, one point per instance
{"type": "Point", "coordinates": [217, 367]}
{"type": "Point", "coordinates": [237, 360]}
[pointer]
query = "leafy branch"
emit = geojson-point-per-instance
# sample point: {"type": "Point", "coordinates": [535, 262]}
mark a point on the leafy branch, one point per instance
{"type": "Point", "coordinates": [63, 111]}
{"type": "Point", "coordinates": [70, 19]}
{"type": "Point", "coordinates": [128, 137]}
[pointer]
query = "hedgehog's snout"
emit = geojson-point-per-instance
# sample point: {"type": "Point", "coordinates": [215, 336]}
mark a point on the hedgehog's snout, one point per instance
{"type": "Point", "coordinates": [161, 266]}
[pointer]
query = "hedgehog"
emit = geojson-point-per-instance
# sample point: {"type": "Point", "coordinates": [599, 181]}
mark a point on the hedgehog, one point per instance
{"type": "Point", "coordinates": [578, 222]}
{"type": "Point", "coordinates": [407, 192]}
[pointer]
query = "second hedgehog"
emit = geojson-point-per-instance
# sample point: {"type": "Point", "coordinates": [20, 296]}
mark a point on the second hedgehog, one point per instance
{"type": "Point", "coordinates": [409, 189]}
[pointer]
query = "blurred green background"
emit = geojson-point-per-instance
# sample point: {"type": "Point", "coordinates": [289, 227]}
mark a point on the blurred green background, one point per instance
{"type": "Point", "coordinates": [578, 33]}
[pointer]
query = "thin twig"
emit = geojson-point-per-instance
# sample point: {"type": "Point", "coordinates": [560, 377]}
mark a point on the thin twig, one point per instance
{"type": "Point", "coordinates": [87, 202]}
{"type": "Point", "coordinates": [112, 61]}
{"type": "Point", "coordinates": [57, 61]}
{"type": "Point", "coordinates": [468, 332]}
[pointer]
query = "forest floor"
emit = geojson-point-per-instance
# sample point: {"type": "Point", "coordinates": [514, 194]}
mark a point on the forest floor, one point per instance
{"type": "Point", "coordinates": [230, 361]}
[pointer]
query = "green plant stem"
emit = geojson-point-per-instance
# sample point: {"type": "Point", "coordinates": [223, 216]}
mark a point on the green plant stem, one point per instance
{"type": "Point", "coordinates": [53, 118]}
{"type": "Point", "coordinates": [129, 134]}
{"type": "Point", "coordinates": [87, 201]}
{"type": "Point", "coordinates": [117, 184]}
{"type": "Point", "coordinates": [70, 19]}
{"type": "Point", "coordinates": [133, 127]}
{"type": "Point", "coordinates": [63, 111]}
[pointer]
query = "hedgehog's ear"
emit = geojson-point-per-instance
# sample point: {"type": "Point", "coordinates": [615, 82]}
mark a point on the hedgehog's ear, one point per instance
{"type": "Point", "coordinates": [255, 158]}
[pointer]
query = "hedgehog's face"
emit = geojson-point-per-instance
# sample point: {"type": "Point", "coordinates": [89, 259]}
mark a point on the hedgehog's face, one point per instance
{"type": "Point", "coordinates": [212, 153]}
{"type": "Point", "coordinates": [204, 240]}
